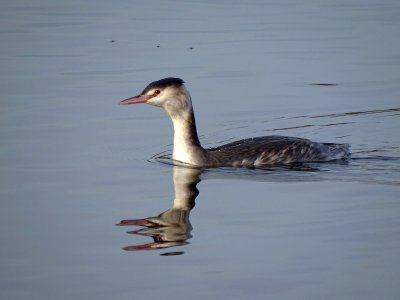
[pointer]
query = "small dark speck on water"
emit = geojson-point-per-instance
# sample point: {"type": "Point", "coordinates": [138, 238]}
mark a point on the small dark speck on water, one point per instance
{"type": "Point", "coordinates": [158, 46]}
{"type": "Point", "coordinates": [191, 48]}
{"type": "Point", "coordinates": [324, 84]}
{"type": "Point", "coordinates": [112, 41]}
{"type": "Point", "coordinates": [172, 253]}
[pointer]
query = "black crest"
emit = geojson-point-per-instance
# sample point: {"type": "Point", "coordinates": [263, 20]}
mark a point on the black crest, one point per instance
{"type": "Point", "coordinates": [163, 83]}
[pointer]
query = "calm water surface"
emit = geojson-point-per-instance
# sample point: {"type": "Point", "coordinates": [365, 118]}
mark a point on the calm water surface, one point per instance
{"type": "Point", "coordinates": [90, 211]}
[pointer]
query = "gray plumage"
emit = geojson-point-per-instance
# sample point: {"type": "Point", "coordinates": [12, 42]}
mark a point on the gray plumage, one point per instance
{"type": "Point", "coordinates": [273, 150]}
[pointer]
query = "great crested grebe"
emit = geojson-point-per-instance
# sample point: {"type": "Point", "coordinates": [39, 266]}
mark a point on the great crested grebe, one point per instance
{"type": "Point", "coordinates": [171, 94]}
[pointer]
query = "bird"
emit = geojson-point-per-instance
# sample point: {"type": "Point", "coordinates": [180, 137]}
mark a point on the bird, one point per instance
{"type": "Point", "coordinates": [258, 152]}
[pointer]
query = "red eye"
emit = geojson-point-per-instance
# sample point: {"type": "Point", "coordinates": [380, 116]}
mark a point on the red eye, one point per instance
{"type": "Point", "coordinates": [156, 92]}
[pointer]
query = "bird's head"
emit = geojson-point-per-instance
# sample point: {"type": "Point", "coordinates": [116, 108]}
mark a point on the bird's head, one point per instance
{"type": "Point", "coordinates": [168, 93]}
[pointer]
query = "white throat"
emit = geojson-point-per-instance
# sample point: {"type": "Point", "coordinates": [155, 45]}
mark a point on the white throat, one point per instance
{"type": "Point", "coordinates": [187, 148]}
{"type": "Point", "coordinates": [183, 149]}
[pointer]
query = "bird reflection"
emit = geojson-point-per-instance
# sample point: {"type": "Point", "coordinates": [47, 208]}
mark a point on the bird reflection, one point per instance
{"type": "Point", "coordinates": [171, 228]}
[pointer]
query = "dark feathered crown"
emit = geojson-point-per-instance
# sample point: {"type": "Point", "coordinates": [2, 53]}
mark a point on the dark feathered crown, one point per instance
{"type": "Point", "coordinates": [163, 83]}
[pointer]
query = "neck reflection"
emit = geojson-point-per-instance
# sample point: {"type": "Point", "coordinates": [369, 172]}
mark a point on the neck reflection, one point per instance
{"type": "Point", "coordinates": [171, 228]}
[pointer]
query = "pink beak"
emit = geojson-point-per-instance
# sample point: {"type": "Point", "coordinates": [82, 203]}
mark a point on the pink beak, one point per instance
{"type": "Point", "coordinates": [136, 100]}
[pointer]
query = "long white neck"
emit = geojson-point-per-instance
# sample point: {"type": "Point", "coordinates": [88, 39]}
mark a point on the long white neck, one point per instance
{"type": "Point", "coordinates": [187, 148]}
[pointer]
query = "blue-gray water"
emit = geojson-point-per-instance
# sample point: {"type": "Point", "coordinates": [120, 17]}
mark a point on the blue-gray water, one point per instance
{"type": "Point", "coordinates": [73, 163]}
